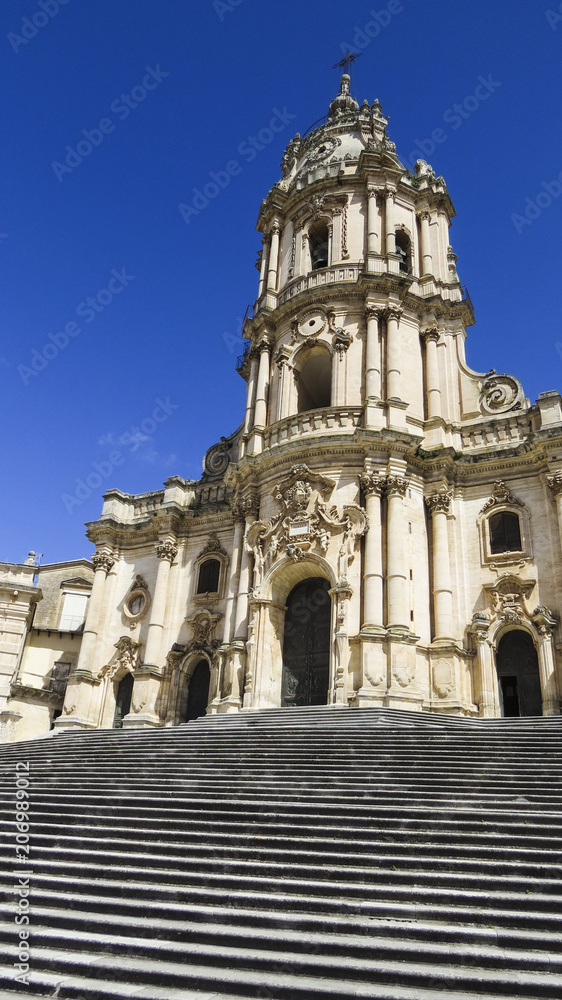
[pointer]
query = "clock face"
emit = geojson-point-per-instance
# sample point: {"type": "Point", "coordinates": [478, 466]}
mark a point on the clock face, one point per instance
{"type": "Point", "coordinates": [311, 324]}
{"type": "Point", "coordinates": [323, 151]}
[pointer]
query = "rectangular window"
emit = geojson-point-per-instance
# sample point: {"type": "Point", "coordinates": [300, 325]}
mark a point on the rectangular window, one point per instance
{"type": "Point", "coordinates": [73, 612]}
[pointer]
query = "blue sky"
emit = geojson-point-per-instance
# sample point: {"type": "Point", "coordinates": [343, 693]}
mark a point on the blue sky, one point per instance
{"type": "Point", "coordinates": [136, 312]}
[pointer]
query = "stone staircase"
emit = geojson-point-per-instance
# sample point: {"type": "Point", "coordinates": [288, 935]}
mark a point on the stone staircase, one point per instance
{"type": "Point", "coordinates": [299, 854]}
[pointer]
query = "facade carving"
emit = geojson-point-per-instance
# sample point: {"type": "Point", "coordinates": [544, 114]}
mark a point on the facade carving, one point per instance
{"type": "Point", "coordinates": [399, 508]}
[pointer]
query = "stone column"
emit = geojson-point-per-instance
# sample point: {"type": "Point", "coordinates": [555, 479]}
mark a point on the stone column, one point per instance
{"type": "Point", "coordinates": [427, 259]}
{"type": "Point", "coordinates": [547, 671]}
{"type": "Point", "coordinates": [260, 415]}
{"type": "Point", "coordinates": [166, 551]}
{"type": "Point", "coordinates": [263, 264]}
{"type": "Point", "coordinates": [430, 337]}
{"type": "Point", "coordinates": [439, 504]}
{"type": "Point", "coordinates": [489, 697]}
{"type": "Point", "coordinates": [372, 486]}
{"type": "Point", "coordinates": [373, 229]}
{"type": "Point", "coordinates": [103, 562]}
{"type": "Point", "coordinates": [554, 483]}
{"type": "Point", "coordinates": [273, 259]}
{"type": "Point", "coordinates": [249, 507]}
{"type": "Point", "coordinates": [237, 549]}
{"type": "Point", "coordinates": [389, 228]}
{"type": "Point", "coordinates": [373, 367]}
{"type": "Point", "coordinates": [148, 676]}
{"type": "Point", "coordinates": [396, 572]}
{"type": "Point", "coordinates": [248, 416]}
{"type": "Point", "coordinates": [281, 359]}
{"type": "Point", "coordinates": [394, 350]}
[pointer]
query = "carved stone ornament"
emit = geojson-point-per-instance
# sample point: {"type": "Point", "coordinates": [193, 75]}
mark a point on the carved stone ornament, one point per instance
{"type": "Point", "coordinates": [372, 484]}
{"type": "Point", "coordinates": [310, 324]}
{"type": "Point", "coordinates": [167, 550]}
{"type": "Point", "coordinates": [102, 560]}
{"type": "Point", "coordinates": [507, 599]}
{"type": "Point", "coordinates": [500, 394]}
{"type": "Point", "coordinates": [139, 583]}
{"type": "Point", "coordinates": [424, 169]}
{"type": "Point", "coordinates": [126, 658]}
{"type": "Point", "coordinates": [213, 546]}
{"type": "Point", "coordinates": [202, 626]}
{"type": "Point", "coordinates": [291, 155]}
{"type": "Point", "coordinates": [443, 677]}
{"type": "Point", "coordinates": [396, 486]}
{"type": "Point", "coordinates": [501, 496]}
{"type": "Point", "coordinates": [304, 524]}
{"type": "Point", "coordinates": [555, 483]}
{"type": "Point", "coordinates": [440, 501]}
{"type": "Point", "coordinates": [217, 458]}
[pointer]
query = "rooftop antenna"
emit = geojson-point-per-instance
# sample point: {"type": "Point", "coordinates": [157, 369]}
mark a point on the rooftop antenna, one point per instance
{"type": "Point", "coordinates": [347, 60]}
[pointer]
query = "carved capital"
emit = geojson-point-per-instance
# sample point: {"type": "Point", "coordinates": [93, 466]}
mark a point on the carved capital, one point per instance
{"type": "Point", "coordinates": [372, 484]}
{"type": "Point", "coordinates": [430, 333]}
{"type": "Point", "coordinates": [396, 486]}
{"type": "Point", "coordinates": [555, 483]}
{"type": "Point", "coordinates": [275, 230]}
{"type": "Point", "coordinates": [167, 550]}
{"type": "Point", "coordinates": [102, 560]}
{"type": "Point", "coordinates": [394, 312]}
{"type": "Point", "coordinates": [264, 345]}
{"type": "Point", "coordinates": [424, 216]}
{"type": "Point", "coordinates": [440, 502]}
{"type": "Point", "coordinates": [374, 312]}
{"type": "Point", "coordinates": [249, 504]}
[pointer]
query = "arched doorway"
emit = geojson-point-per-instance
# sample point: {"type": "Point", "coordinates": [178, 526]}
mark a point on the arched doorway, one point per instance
{"type": "Point", "coordinates": [306, 644]}
{"type": "Point", "coordinates": [518, 675]}
{"type": "Point", "coordinates": [198, 693]}
{"type": "Point", "coordinates": [123, 700]}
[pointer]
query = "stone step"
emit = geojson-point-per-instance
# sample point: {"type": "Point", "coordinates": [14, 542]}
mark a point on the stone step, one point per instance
{"type": "Point", "coordinates": [318, 929]}
{"type": "Point", "coordinates": [144, 845]}
{"type": "Point", "coordinates": [285, 863]}
{"type": "Point", "coordinates": [202, 967]}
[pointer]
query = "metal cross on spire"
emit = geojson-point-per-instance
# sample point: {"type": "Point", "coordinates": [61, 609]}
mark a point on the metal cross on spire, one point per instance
{"type": "Point", "coordinates": [347, 60]}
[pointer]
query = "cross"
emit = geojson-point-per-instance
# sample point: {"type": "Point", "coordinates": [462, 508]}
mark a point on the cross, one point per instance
{"type": "Point", "coordinates": [347, 60]}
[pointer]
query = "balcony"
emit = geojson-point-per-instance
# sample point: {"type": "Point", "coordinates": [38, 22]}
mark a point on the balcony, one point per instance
{"type": "Point", "coordinates": [332, 420]}
{"type": "Point", "coordinates": [317, 279]}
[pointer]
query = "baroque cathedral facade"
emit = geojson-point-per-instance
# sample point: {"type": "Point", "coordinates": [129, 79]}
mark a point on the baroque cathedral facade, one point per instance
{"type": "Point", "coordinates": [384, 528]}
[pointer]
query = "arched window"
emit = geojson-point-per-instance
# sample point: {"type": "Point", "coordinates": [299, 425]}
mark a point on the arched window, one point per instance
{"type": "Point", "coordinates": [505, 532]}
{"type": "Point", "coordinates": [209, 572]}
{"type": "Point", "coordinates": [403, 250]}
{"type": "Point", "coordinates": [318, 241]}
{"type": "Point", "coordinates": [314, 380]}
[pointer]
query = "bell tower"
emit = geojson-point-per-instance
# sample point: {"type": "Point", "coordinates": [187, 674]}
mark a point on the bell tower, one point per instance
{"type": "Point", "coordinates": [359, 303]}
